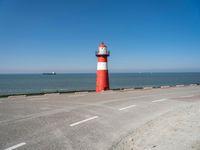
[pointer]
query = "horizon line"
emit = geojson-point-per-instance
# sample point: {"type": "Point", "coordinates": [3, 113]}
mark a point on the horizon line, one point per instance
{"type": "Point", "coordinates": [109, 72]}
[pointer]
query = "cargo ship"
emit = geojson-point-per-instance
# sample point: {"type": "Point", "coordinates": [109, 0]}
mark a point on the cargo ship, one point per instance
{"type": "Point", "coordinates": [49, 73]}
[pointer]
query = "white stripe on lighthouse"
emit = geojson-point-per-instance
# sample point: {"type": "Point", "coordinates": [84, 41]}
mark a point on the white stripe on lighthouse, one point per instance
{"type": "Point", "coordinates": [102, 66]}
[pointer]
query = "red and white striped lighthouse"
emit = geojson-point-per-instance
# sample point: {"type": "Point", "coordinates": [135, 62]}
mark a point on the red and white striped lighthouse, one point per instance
{"type": "Point", "coordinates": [102, 78]}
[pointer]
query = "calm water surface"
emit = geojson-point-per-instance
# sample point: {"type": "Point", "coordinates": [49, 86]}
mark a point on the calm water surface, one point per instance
{"type": "Point", "coordinates": [33, 83]}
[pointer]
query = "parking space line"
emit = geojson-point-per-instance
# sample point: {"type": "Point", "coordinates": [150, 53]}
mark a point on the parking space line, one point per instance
{"type": "Point", "coordinates": [159, 100]}
{"type": "Point", "coordinates": [130, 106]}
{"type": "Point", "coordinates": [16, 146]}
{"type": "Point", "coordinates": [82, 121]}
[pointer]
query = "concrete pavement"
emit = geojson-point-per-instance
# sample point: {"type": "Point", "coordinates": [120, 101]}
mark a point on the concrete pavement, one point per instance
{"type": "Point", "coordinates": [84, 121]}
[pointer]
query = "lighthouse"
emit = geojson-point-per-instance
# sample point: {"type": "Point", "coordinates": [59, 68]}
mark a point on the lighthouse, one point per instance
{"type": "Point", "coordinates": [102, 78]}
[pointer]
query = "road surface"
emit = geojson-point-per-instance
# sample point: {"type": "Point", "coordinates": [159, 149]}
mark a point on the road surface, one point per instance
{"type": "Point", "coordinates": [84, 121]}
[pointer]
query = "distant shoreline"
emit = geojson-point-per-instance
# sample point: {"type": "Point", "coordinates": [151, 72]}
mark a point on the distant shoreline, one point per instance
{"type": "Point", "coordinates": [92, 90]}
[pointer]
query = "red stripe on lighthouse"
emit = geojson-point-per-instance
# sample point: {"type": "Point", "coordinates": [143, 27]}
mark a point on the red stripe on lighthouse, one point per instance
{"type": "Point", "coordinates": [102, 59]}
{"type": "Point", "coordinates": [102, 82]}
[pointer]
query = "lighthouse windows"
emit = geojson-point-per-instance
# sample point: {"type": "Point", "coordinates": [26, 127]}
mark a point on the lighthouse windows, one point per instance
{"type": "Point", "coordinates": [102, 50]}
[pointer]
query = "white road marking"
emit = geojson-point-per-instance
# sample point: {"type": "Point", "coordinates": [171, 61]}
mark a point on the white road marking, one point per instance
{"type": "Point", "coordinates": [129, 89]}
{"type": "Point", "coordinates": [13, 97]}
{"type": "Point", "coordinates": [76, 95]}
{"type": "Point", "coordinates": [39, 101]}
{"type": "Point", "coordinates": [81, 92]}
{"type": "Point", "coordinates": [159, 100]}
{"type": "Point", "coordinates": [38, 98]}
{"type": "Point", "coordinates": [186, 96]}
{"type": "Point", "coordinates": [52, 94]}
{"type": "Point", "coordinates": [127, 107]}
{"type": "Point", "coordinates": [16, 146]}
{"type": "Point", "coordinates": [107, 92]}
{"type": "Point", "coordinates": [148, 88]}
{"type": "Point", "coordinates": [180, 85]}
{"type": "Point", "coordinates": [166, 86]}
{"type": "Point", "coordinates": [193, 84]}
{"type": "Point", "coordinates": [82, 121]}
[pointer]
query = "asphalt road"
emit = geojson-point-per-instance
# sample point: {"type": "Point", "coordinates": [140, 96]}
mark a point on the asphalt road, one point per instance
{"type": "Point", "coordinates": [84, 121]}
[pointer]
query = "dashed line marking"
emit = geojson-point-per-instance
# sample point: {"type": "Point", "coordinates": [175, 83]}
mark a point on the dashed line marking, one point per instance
{"type": "Point", "coordinates": [104, 93]}
{"type": "Point", "coordinates": [160, 100]}
{"type": "Point", "coordinates": [16, 146]}
{"type": "Point", "coordinates": [35, 101]}
{"type": "Point", "coordinates": [180, 85]}
{"type": "Point", "coordinates": [82, 121]}
{"type": "Point", "coordinates": [127, 107]}
{"type": "Point", "coordinates": [81, 92]}
{"type": "Point", "coordinates": [39, 98]}
{"type": "Point", "coordinates": [76, 95]}
{"type": "Point", "coordinates": [186, 96]}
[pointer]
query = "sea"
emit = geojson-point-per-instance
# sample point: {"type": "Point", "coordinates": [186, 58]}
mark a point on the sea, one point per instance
{"type": "Point", "coordinates": [38, 83]}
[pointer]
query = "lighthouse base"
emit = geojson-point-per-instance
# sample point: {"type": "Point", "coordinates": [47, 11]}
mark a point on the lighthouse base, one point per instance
{"type": "Point", "coordinates": [102, 81]}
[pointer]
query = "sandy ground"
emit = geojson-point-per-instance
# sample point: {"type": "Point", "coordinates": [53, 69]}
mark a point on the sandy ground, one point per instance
{"type": "Point", "coordinates": [176, 130]}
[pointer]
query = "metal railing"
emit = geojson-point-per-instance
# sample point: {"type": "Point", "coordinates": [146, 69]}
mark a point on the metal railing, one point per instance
{"type": "Point", "coordinates": [104, 54]}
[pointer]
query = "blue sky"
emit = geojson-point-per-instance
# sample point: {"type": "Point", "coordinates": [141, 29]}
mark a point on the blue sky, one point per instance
{"type": "Point", "coordinates": [62, 35]}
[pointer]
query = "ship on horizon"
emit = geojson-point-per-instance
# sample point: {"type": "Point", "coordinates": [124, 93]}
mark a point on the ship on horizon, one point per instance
{"type": "Point", "coordinates": [49, 73]}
